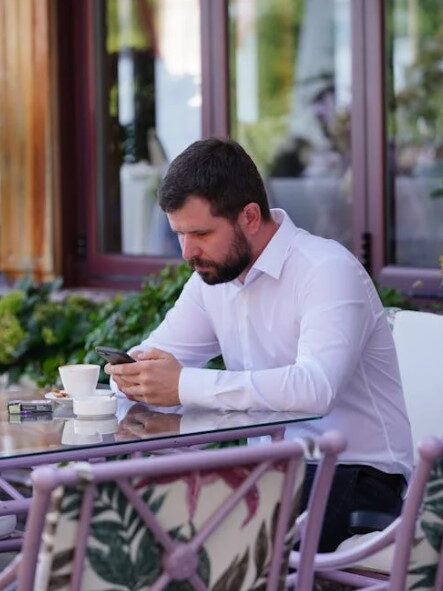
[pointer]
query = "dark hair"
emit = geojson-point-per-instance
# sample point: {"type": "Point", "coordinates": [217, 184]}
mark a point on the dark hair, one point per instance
{"type": "Point", "coordinates": [219, 171]}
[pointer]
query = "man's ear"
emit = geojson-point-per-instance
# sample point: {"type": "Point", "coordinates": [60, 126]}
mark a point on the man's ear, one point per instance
{"type": "Point", "coordinates": [250, 218]}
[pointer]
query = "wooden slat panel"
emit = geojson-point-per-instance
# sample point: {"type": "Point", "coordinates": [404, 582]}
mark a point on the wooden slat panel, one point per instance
{"type": "Point", "coordinates": [27, 185]}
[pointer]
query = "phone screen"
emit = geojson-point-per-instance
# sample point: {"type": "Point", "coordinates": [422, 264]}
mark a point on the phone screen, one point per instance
{"type": "Point", "coordinates": [114, 356]}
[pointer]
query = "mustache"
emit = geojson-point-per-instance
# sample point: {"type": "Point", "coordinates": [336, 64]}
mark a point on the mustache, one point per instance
{"type": "Point", "coordinates": [197, 262]}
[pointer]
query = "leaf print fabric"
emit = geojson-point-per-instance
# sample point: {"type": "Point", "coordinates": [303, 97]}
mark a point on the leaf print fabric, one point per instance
{"type": "Point", "coordinates": [424, 557]}
{"type": "Point", "coordinates": [123, 554]}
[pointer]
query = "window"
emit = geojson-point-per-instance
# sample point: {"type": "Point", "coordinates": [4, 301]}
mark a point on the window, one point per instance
{"type": "Point", "coordinates": [414, 132]}
{"type": "Point", "coordinates": [294, 81]}
{"type": "Point", "coordinates": [130, 100]}
{"type": "Point", "coordinates": [290, 83]}
{"type": "Point", "coordinates": [148, 110]}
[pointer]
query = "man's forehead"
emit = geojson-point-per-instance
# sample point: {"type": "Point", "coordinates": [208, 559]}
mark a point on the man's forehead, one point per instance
{"type": "Point", "coordinates": [193, 215]}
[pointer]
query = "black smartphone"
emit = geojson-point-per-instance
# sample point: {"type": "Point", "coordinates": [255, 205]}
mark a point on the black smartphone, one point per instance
{"type": "Point", "coordinates": [114, 356]}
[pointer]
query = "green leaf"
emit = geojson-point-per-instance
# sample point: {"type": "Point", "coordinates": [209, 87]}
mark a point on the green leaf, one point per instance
{"type": "Point", "coordinates": [433, 533]}
{"type": "Point", "coordinates": [114, 566]}
{"type": "Point", "coordinates": [427, 572]}
{"type": "Point", "coordinates": [274, 521]}
{"type": "Point", "coordinates": [147, 493]}
{"type": "Point", "coordinates": [122, 505]}
{"type": "Point", "coordinates": [261, 550]}
{"type": "Point", "coordinates": [232, 579]}
{"type": "Point", "coordinates": [147, 560]}
{"type": "Point", "coordinates": [61, 559]}
{"type": "Point", "coordinates": [70, 505]}
{"type": "Point", "coordinates": [156, 505]}
{"type": "Point", "coordinates": [436, 193]}
{"type": "Point", "coordinates": [204, 566]}
{"type": "Point", "coordinates": [103, 531]}
{"type": "Point", "coordinates": [59, 582]}
{"type": "Point", "coordinates": [434, 506]}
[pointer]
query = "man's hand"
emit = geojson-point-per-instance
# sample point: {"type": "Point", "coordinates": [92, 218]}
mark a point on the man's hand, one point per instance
{"type": "Point", "coordinates": [153, 378]}
{"type": "Point", "coordinates": [140, 421]}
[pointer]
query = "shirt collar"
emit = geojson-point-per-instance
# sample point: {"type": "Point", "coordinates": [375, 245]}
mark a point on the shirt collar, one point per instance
{"type": "Point", "coordinates": [275, 253]}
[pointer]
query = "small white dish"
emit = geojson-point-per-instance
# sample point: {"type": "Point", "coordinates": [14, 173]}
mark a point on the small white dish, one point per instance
{"type": "Point", "coordinates": [58, 399]}
{"type": "Point", "coordinates": [103, 426]}
{"type": "Point", "coordinates": [71, 437]}
{"type": "Point", "coordinates": [95, 406]}
{"type": "Point", "coordinates": [69, 400]}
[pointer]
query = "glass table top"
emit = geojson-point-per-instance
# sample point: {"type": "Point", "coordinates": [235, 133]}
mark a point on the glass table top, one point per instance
{"type": "Point", "coordinates": [61, 430]}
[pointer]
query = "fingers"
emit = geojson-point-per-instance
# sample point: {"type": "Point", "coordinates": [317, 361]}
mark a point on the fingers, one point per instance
{"type": "Point", "coordinates": [122, 384]}
{"type": "Point", "coordinates": [124, 369]}
{"type": "Point", "coordinates": [134, 390]}
{"type": "Point", "coordinates": [153, 354]}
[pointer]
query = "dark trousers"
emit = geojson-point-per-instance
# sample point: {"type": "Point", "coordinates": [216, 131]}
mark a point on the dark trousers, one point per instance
{"type": "Point", "coordinates": [354, 488]}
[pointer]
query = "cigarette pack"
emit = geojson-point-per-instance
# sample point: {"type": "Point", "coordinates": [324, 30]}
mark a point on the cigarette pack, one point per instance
{"type": "Point", "coordinates": [30, 417]}
{"type": "Point", "coordinates": [17, 407]}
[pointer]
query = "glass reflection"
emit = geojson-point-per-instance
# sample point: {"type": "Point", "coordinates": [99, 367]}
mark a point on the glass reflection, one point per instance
{"type": "Point", "coordinates": [148, 104]}
{"type": "Point", "coordinates": [290, 99]}
{"type": "Point", "coordinates": [415, 132]}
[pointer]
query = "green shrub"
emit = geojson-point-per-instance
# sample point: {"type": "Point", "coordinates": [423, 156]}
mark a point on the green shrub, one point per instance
{"type": "Point", "coordinates": [38, 334]}
{"type": "Point", "coordinates": [393, 298]}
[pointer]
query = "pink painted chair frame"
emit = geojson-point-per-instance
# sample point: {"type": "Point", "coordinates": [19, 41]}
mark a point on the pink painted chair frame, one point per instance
{"type": "Point", "coordinates": [331, 566]}
{"type": "Point", "coordinates": [46, 480]}
{"type": "Point", "coordinates": [17, 503]}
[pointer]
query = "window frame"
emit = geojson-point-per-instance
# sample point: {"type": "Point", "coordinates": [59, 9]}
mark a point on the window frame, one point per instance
{"type": "Point", "coordinates": [84, 265]}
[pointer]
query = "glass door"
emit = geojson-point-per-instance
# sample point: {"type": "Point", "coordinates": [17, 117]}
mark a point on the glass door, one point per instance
{"type": "Point", "coordinates": [290, 98]}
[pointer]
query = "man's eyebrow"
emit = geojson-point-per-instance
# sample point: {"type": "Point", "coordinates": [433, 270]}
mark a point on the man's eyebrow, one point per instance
{"type": "Point", "coordinates": [198, 231]}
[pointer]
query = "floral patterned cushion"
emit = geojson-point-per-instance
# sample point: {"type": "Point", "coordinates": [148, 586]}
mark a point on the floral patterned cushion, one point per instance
{"type": "Point", "coordinates": [425, 554]}
{"type": "Point", "coordinates": [123, 554]}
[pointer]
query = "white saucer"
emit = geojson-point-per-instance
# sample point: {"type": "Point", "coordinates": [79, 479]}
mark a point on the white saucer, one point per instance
{"type": "Point", "coordinates": [104, 426]}
{"type": "Point", "coordinates": [69, 400]}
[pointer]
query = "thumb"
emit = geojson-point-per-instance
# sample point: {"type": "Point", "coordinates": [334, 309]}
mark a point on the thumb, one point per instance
{"type": "Point", "coordinates": [153, 354]}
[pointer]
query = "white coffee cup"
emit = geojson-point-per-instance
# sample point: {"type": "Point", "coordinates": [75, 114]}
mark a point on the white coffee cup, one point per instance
{"type": "Point", "coordinates": [79, 380]}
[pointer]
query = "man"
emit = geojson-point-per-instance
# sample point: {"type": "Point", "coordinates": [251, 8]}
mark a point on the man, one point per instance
{"type": "Point", "coordinates": [296, 318]}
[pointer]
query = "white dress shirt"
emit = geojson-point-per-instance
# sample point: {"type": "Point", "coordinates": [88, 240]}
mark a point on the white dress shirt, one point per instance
{"type": "Point", "coordinates": [305, 332]}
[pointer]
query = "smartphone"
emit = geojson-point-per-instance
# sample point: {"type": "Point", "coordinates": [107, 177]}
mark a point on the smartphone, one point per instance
{"type": "Point", "coordinates": [114, 356]}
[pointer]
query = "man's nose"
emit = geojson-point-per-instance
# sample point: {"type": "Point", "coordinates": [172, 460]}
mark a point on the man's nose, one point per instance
{"type": "Point", "coordinates": [190, 249]}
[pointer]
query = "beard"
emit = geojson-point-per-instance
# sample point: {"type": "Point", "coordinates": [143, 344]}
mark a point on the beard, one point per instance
{"type": "Point", "coordinates": [236, 261]}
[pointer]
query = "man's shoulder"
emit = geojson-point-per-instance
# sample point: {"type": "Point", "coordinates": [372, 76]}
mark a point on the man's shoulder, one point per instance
{"type": "Point", "coordinates": [313, 251]}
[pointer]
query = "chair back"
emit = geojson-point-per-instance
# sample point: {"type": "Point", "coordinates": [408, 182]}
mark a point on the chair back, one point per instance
{"type": "Point", "coordinates": [415, 564]}
{"type": "Point", "coordinates": [418, 338]}
{"type": "Point", "coordinates": [220, 520]}
{"type": "Point", "coordinates": [425, 569]}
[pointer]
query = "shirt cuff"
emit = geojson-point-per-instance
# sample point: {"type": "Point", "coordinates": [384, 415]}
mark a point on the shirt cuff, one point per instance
{"type": "Point", "coordinates": [196, 386]}
{"type": "Point", "coordinates": [115, 388]}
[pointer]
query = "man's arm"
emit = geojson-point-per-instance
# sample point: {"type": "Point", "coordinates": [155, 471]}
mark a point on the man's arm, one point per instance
{"type": "Point", "coordinates": [185, 337]}
{"type": "Point", "coordinates": [337, 315]}
{"type": "Point", "coordinates": [335, 320]}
